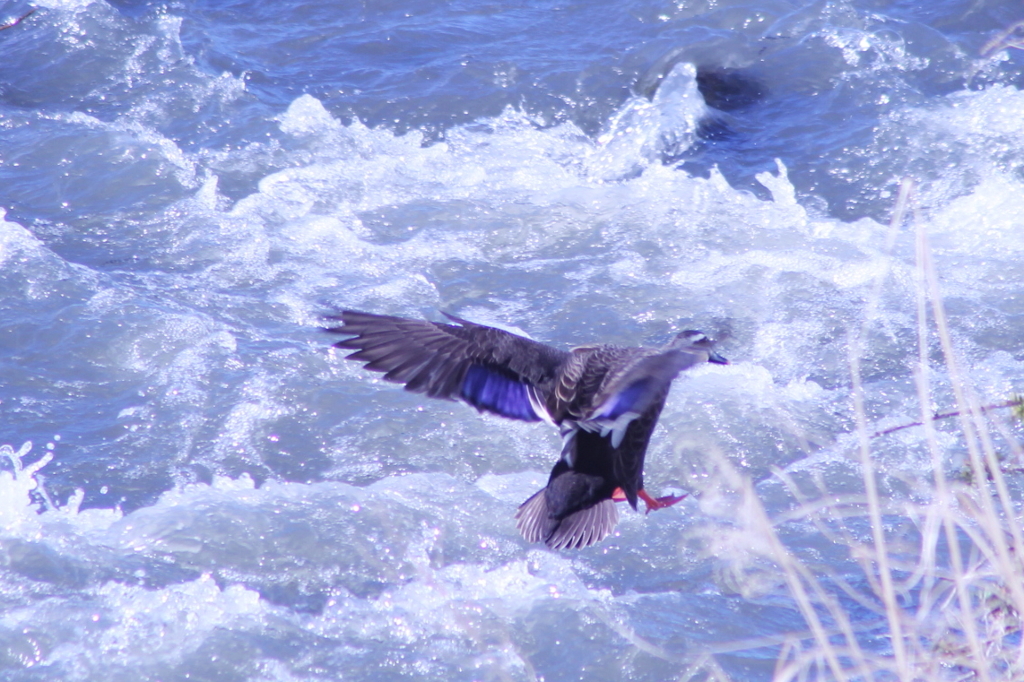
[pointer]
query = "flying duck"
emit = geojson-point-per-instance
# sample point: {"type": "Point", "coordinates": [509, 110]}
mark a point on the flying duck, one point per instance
{"type": "Point", "coordinates": [604, 399]}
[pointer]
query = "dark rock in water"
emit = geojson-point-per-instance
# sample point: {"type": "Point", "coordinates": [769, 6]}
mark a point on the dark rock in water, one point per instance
{"type": "Point", "coordinates": [728, 89]}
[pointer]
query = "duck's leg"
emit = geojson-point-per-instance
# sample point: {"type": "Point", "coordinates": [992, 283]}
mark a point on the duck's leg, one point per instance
{"type": "Point", "coordinates": [660, 502]}
{"type": "Point", "coordinates": [652, 502]}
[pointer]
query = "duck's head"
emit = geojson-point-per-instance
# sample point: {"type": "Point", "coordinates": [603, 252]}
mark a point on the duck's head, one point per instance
{"type": "Point", "coordinates": [691, 339]}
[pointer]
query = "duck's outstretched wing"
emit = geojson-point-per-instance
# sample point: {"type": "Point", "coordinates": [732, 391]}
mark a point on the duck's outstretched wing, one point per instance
{"type": "Point", "coordinates": [488, 368]}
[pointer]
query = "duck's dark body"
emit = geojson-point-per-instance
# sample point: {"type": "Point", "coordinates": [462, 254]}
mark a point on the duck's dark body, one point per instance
{"type": "Point", "coordinates": [605, 400]}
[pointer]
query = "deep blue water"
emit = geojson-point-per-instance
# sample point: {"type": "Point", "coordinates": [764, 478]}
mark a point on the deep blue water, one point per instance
{"type": "Point", "coordinates": [190, 186]}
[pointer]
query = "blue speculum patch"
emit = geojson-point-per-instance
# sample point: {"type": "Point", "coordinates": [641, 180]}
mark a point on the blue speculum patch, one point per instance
{"type": "Point", "coordinates": [624, 401]}
{"type": "Point", "coordinates": [498, 392]}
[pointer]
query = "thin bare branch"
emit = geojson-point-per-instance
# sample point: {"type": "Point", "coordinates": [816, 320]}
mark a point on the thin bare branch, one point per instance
{"type": "Point", "coordinates": [1017, 402]}
{"type": "Point", "coordinates": [20, 19]}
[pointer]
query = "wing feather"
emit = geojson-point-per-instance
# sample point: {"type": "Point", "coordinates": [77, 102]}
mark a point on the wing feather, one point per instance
{"type": "Point", "coordinates": [436, 358]}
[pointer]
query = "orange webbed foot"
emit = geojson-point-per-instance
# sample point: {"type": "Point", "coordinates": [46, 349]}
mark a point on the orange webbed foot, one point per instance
{"type": "Point", "coordinates": [659, 502]}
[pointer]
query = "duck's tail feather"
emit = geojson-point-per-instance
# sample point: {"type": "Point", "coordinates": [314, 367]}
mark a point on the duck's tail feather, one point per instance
{"type": "Point", "coordinates": [577, 530]}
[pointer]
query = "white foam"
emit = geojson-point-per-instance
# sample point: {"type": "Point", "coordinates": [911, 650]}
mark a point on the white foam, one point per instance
{"type": "Point", "coordinates": [642, 130]}
{"type": "Point", "coordinates": [512, 488]}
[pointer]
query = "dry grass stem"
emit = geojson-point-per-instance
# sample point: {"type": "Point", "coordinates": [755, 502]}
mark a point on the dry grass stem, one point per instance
{"type": "Point", "coordinates": [940, 565]}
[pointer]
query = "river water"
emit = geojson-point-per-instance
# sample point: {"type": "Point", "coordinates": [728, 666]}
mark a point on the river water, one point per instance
{"type": "Point", "coordinates": [195, 486]}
